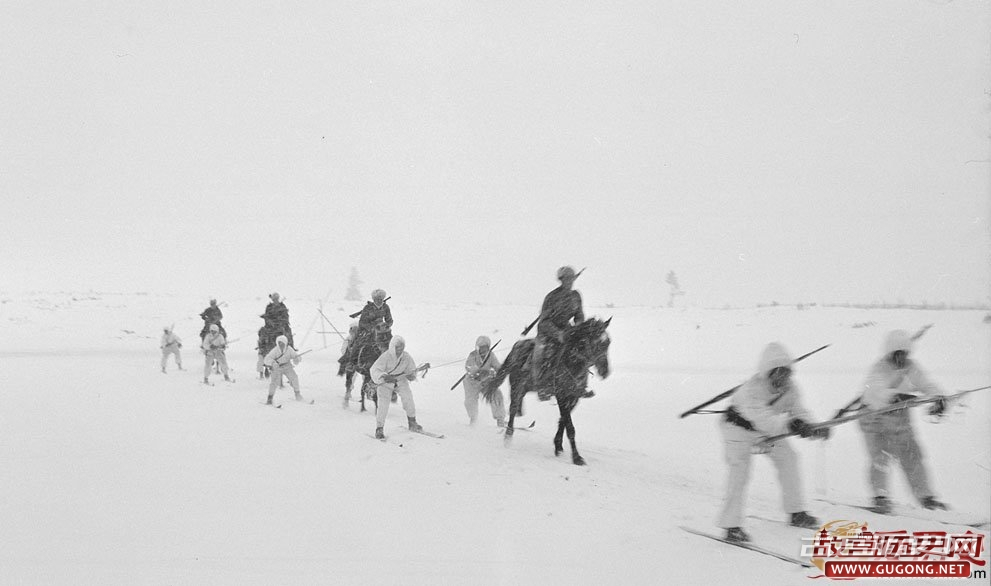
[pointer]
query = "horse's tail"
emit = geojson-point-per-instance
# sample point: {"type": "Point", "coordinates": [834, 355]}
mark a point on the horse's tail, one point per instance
{"type": "Point", "coordinates": [490, 387]}
{"type": "Point", "coordinates": [514, 361]}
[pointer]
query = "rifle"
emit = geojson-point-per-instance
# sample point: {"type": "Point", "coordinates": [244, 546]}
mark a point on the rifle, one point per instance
{"type": "Point", "coordinates": [768, 441]}
{"type": "Point", "coordinates": [357, 313]}
{"type": "Point", "coordinates": [725, 394]}
{"type": "Point", "coordinates": [484, 360]}
{"type": "Point", "coordinates": [851, 405]}
{"type": "Point", "coordinates": [425, 367]}
{"type": "Point", "coordinates": [527, 329]}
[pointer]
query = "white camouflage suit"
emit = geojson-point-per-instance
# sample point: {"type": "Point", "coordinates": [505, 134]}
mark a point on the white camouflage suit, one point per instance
{"type": "Point", "coordinates": [403, 367]}
{"type": "Point", "coordinates": [475, 376]}
{"type": "Point", "coordinates": [214, 346]}
{"type": "Point", "coordinates": [281, 360]}
{"type": "Point", "coordinates": [890, 435]}
{"type": "Point", "coordinates": [170, 344]}
{"type": "Point", "coordinates": [769, 411]}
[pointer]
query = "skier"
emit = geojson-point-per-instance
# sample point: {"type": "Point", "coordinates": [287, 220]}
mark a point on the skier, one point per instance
{"type": "Point", "coordinates": [214, 346]}
{"type": "Point", "coordinates": [170, 344]}
{"type": "Point", "coordinates": [480, 366]}
{"type": "Point", "coordinates": [894, 378]}
{"type": "Point", "coordinates": [347, 359]}
{"type": "Point", "coordinates": [375, 321]}
{"type": "Point", "coordinates": [211, 315]}
{"type": "Point", "coordinates": [392, 372]}
{"type": "Point", "coordinates": [561, 311]}
{"type": "Point", "coordinates": [767, 404]}
{"type": "Point", "coordinates": [281, 360]}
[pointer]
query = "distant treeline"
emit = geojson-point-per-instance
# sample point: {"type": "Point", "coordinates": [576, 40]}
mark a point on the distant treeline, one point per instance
{"type": "Point", "coordinates": [886, 305]}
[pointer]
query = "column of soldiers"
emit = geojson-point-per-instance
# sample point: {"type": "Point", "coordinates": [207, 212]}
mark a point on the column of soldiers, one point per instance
{"type": "Point", "coordinates": [768, 404]}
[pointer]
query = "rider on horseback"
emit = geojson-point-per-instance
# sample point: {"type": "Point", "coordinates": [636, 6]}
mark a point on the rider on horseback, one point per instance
{"type": "Point", "coordinates": [560, 312]}
{"type": "Point", "coordinates": [376, 320]}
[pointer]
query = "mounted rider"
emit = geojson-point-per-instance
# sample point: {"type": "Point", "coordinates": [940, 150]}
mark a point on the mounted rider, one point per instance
{"type": "Point", "coordinates": [375, 322]}
{"type": "Point", "coordinates": [211, 316]}
{"type": "Point", "coordinates": [560, 312]}
{"type": "Point", "coordinates": [276, 318]}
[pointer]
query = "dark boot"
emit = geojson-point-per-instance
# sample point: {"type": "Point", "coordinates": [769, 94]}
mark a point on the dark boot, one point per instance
{"type": "Point", "coordinates": [804, 520]}
{"type": "Point", "coordinates": [737, 535]}
{"type": "Point", "coordinates": [227, 378]}
{"type": "Point", "coordinates": [413, 425]}
{"type": "Point", "coordinates": [379, 434]}
{"type": "Point", "coordinates": [882, 505]}
{"type": "Point", "coordinates": [931, 503]}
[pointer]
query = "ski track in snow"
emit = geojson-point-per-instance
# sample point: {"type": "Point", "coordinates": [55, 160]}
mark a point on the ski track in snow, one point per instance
{"type": "Point", "coordinates": [115, 473]}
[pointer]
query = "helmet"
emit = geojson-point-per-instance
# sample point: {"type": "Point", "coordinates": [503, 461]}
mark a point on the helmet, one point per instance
{"type": "Point", "coordinates": [378, 294]}
{"type": "Point", "coordinates": [565, 272]}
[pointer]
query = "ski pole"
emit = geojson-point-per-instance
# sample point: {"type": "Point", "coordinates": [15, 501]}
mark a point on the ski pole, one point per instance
{"type": "Point", "coordinates": [725, 394]}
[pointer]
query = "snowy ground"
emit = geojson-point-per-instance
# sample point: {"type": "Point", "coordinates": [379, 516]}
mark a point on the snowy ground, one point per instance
{"type": "Point", "coordinates": [117, 474]}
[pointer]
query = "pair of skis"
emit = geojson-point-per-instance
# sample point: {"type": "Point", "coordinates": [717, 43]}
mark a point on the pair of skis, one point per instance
{"type": "Point", "coordinates": [421, 432]}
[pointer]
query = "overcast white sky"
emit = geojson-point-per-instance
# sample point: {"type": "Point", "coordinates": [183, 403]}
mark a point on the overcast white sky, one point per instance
{"type": "Point", "coordinates": [462, 151]}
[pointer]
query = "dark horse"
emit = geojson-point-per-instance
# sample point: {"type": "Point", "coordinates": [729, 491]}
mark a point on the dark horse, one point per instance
{"type": "Point", "coordinates": [565, 373]}
{"type": "Point", "coordinates": [367, 348]}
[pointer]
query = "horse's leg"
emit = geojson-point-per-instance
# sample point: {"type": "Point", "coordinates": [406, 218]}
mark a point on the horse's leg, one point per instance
{"type": "Point", "coordinates": [566, 412]}
{"type": "Point", "coordinates": [559, 436]}
{"type": "Point", "coordinates": [515, 397]}
{"type": "Point", "coordinates": [364, 389]}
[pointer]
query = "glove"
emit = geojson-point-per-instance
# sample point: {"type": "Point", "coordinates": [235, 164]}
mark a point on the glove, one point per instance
{"type": "Point", "coordinates": [939, 406]}
{"type": "Point", "coordinates": [900, 397]}
{"type": "Point", "coordinates": [801, 427]}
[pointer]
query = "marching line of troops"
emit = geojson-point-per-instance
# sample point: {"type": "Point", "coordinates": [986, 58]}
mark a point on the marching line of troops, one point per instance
{"type": "Point", "coordinates": [768, 404]}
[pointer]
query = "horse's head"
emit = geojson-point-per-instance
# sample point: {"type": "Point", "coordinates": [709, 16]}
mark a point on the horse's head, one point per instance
{"type": "Point", "coordinates": [589, 342]}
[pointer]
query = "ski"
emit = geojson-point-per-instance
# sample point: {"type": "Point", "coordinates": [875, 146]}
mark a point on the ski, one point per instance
{"type": "Point", "coordinates": [209, 384]}
{"type": "Point", "coordinates": [276, 405]}
{"type": "Point", "coordinates": [934, 516]}
{"type": "Point", "coordinates": [424, 432]}
{"type": "Point", "coordinates": [502, 430]}
{"type": "Point", "coordinates": [751, 546]}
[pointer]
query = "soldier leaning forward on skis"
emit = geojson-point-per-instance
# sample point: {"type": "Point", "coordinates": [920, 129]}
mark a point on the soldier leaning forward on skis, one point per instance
{"type": "Point", "coordinates": [280, 360]}
{"type": "Point", "coordinates": [170, 344]}
{"type": "Point", "coordinates": [894, 378]}
{"type": "Point", "coordinates": [214, 346]}
{"type": "Point", "coordinates": [392, 372]}
{"type": "Point", "coordinates": [767, 404]}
